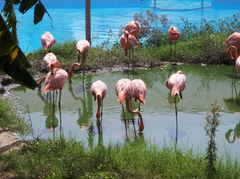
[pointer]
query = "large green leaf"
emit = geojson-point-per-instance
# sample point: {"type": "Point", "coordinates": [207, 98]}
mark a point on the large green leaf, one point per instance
{"type": "Point", "coordinates": [17, 71]}
{"type": "Point", "coordinates": [38, 12]}
{"type": "Point", "coordinates": [12, 60]}
{"type": "Point", "coordinates": [7, 43]}
{"type": "Point", "coordinates": [26, 4]}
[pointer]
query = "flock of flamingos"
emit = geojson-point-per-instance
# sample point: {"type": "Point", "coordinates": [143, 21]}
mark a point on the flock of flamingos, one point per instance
{"type": "Point", "coordinates": [125, 89]}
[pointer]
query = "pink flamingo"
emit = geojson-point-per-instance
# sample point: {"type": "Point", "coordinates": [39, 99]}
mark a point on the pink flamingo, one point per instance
{"type": "Point", "coordinates": [99, 91]}
{"type": "Point", "coordinates": [47, 41]}
{"type": "Point", "coordinates": [124, 90]}
{"type": "Point", "coordinates": [176, 83]}
{"type": "Point", "coordinates": [229, 53]}
{"type": "Point", "coordinates": [128, 41]}
{"type": "Point", "coordinates": [56, 79]}
{"type": "Point", "coordinates": [133, 27]}
{"type": "Point", "coordinates": [139, 89]}
{"type": "Point", "coordinates": [173, 35]}
{"type": "Point", "coordinates": [83, 47]}
{"type": "Point", "coordinates": [50, 61]}
{"type": "Point", "coordinates": [234, 40]}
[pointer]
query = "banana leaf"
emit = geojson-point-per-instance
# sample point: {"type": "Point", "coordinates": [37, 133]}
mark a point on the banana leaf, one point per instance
{"type": "Point", "coordinates": [12, 60]}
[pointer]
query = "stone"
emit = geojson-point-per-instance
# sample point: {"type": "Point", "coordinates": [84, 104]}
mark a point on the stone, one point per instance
{"type": "Point", "coordinates": [6, 80]}
{"type": "Point", "coordinates": [2, 89]}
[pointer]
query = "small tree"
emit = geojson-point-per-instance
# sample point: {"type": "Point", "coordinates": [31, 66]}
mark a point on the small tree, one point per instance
{"type": "Point", "coordinates": [211, 129]}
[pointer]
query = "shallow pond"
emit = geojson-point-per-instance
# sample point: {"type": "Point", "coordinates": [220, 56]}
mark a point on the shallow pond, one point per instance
{"type": "Point", "coordinates": [205, 84]}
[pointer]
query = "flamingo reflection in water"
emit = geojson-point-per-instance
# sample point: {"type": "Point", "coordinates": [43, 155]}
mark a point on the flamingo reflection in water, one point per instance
{"type": "Point", "coordinates": [176, 83]}
{"type": "Point", "coordinates": [99, 91]}
{"type": "Point", "coordinates": [56, 79]}
{"type": "Point", "coordinates": [124, 90]}
{"type": "Point", "coordinates": [236, 134]}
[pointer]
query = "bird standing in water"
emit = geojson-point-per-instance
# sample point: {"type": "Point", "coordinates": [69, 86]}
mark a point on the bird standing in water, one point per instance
{"type": "Point", "coordinates": [56, 79]}
{"type": "Point", "coordinates": [47, 41]}
{"type": "Point", "coordinates": [83, 47]}
{"type": "Point", "coordinates": [173, 35]}
{"type": "Point", "coordinates": [50, 61]}
{"type": "Point", "coordinates": [229, 53]}
{"type": "Point", "coordinates": [233, 40]}
{"type": "Point", "coordinates": [133, 27]}
{"type": "Point", "coordinates": [124, 90]}
{"type": "Point", "coordinates": [176, 83]}
{"type": "Point", "coordinates": [99, 91]}
{"type": "Point", "coordinates": [139, 91]}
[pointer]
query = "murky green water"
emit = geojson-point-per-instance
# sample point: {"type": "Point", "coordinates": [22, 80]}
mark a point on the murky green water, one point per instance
{"type": "Point", "coordinates": [204, 85]}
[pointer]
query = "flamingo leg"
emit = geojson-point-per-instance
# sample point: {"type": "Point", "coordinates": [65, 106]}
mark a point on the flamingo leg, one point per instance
{"type": "Point", "coordinates": [124, 120]}
{"type": "Point", "coordinates": [176, 118]}
{"type": "Point", "coordinates": [53, 117]}
{"type": "Point", "coordinates": [59, 105]}
{"type": "Point", "coordinates": [170, 48]}
{"type": "Point", "coordinates": [101, 113]}
{"type": "Point", "coordinates": [133, 121]}
{"type": "Point", "coordinates": [175, 53]}
{"type": "Point", "coordinates": [83, 72]}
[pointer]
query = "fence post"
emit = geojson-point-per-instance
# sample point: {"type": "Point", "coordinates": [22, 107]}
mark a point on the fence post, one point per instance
{"type": "Point", "coordinates": [88, 20]}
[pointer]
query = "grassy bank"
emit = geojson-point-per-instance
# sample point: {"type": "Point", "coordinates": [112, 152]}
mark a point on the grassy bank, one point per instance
{"type": "Point", "coordinates": [134, 159]}
{"type": "Point", "coordinates": [10, 120]}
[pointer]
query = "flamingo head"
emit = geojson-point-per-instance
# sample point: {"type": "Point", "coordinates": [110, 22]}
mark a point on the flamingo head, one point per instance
{"type": "Point", "coordinates": [53, 65]}
{"type": "Point", "coordinates": [179, 72]}
{"type": "Point", "coordinates": [141, 128]}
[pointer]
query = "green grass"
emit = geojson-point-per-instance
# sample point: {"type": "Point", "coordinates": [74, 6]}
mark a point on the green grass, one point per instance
{"type": "Point", "coordinates": [10, 120]}
{"type": "Point", "coordinates": [67, 158]}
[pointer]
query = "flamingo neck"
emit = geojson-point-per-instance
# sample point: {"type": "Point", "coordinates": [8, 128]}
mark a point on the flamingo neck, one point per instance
{"type": "Point", "coordinates": [70, 72]}
{"type": "Point", "coordinates": [98, 109]}
{"type": "Point", "coordinates": [40, 83]}
{"type": "Point", "coordinates": [141, 126]}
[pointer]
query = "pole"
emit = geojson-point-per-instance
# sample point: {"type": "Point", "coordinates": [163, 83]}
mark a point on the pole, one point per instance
{"type": "Point", "coordinates": [88, 20]}
{"type": "Point", "coordinates": [154, 3]}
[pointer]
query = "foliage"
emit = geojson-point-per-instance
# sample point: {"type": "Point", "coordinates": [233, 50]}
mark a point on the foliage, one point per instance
{"type": "Point", "coordinates": [13, 61]}
{"type": "Point", "coordinates": [67, 158]}
{"type": "Point", "coordinates": [211, 129]}
{"type": "Point", "coordinates": [10, 120]}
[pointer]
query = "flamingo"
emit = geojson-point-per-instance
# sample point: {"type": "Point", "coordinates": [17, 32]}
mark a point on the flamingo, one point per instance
{"type": "Point", "coordinates": [173, 35]}
{"type": "Point", "coordinates": [176, 83]}
{"type": "Point", "coordinates": [233, 40]}
{"type": "Point", "coordinates": [133, 27]}
{"type": "Point", "coordinates": [127, 42]}
{"type": "Point", "coordinates": [139, 88]}
{"type": "Point", "coordinates": [47, 41]}
{"type": "Point", "coordinates": [50, 61]}
{"type": "Point", "coordinates": [229, 53]}
{"type": "Point", "coordinates": [99, 91]}
{"type": "Point", "coordinates": [56, 79]}
{"type": "Point", "coordinates": [124, 90]}
{"type": "Point", "coordinates": [83, 47]}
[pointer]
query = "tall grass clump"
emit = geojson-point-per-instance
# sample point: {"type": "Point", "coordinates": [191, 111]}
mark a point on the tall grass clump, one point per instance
{"type": "Point", "coordinates": [10, 120]}
{"type": "Point", "coordinates": [211, 128]}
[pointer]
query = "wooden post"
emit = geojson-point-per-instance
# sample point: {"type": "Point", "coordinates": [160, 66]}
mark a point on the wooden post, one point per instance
{"type": "Point", "coordinates": [88, 20]}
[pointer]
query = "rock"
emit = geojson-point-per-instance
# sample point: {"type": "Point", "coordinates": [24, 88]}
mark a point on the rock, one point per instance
{"type": "Point", "coordinates": [2, 89]}
{"type": "Point", "coordinates": [6, 80]}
